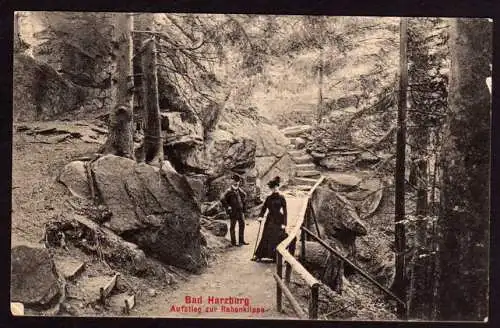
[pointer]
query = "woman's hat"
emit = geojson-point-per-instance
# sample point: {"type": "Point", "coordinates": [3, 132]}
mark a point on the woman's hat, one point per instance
{"type": "Point", "coordinates": [274, 182]}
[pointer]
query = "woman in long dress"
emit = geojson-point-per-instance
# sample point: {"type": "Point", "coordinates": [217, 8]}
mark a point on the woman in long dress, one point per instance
{"type": "Point", "coordinates": [275, 224]}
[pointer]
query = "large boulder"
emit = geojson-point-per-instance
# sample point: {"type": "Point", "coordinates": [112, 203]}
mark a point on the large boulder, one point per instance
{"type": "Point", "coordinates": [245, 123]}
{"type": "Point", "coordinates": [330, 136]}
{"type": "Point", "coordinates": [74, 177]}
{"type": "Point", "coordinates": [336, 214]}
{"type": "Point", "coordinates": [211, 208]}
{"type": "Point", "coordinates": [154, 208]}
{"type": "Point", "coordinates": [217, 227]}
{"type": "Point", "coordinates": [222, 152]}
{"type": "Point", "coordinates": [34, 278]}
{"type": "Point", "coordinates": [180, 128]}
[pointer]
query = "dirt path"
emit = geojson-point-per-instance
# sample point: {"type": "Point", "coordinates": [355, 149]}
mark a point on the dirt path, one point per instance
{"type": "Point", "coordinates": [233, 275]}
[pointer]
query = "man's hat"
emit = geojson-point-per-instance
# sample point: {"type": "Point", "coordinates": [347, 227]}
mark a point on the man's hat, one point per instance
{"type": "Point", "coordinates": [236, 178]}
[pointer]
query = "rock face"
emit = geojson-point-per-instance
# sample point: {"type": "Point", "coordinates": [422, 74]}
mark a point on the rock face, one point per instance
{"type": "Point", "coordinates": [271, 158]}
{"type": "Point", "coordinates": [281, 167]}
{"type": "Point", "coordinates": [222, 152]}
{"type": "Point", "coordinates": [198, 183]}
{"type": "Point", "coordinates": [179, 129]}
{"type": "Point", "coordinates": [156, 209]}
{"type": "Point", "coordinates": [246, 123]}
{"type": "Point", "coordinates": [40, 92]}
{"type": "Point", "coordinates": [34, 279]}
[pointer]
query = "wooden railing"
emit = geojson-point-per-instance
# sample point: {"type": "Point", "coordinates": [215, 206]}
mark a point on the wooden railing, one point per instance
{"type": "Point", "coordinates": [285, 253]}
{"type": "Point", "coordinates": [355, 267]}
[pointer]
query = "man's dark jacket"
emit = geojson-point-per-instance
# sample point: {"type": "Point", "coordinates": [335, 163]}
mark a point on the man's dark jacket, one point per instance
{"type": "Point", "coordinates": [233, 204]}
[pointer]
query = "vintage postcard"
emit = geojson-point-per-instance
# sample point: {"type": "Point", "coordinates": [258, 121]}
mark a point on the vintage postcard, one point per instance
{"type": "Point", "coordinates": [251, 166]}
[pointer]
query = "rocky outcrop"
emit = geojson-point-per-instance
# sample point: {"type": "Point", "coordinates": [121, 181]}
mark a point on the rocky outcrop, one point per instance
{"type": "Point", "coordinates": [179, 128]}
{"type": "Point", "coordinates": [246, 123]}
{"type": "Point", "coordinates": [156, 209]}
{"type": "Point", "coordinates": [34, 278]}
{"type": "Point", "coordinates": [336, 214]}
{"type": "Point", "coordinates": [40, 93]}
{"type": "Point", "coordinates": [281, 167]}
{"type": "Point", "coordinates": [221, 153]}
{"type": "Point", "coordinates": [198, 183]}
{"type": "Point", "coordinates": [271, 158]}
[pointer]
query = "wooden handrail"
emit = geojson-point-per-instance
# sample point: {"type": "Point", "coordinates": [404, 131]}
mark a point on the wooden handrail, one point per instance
{"type": "Point", "coordinates": [283, 254]}
{"type": "Point", "coordinates": [296, 306]}
{"type": "Point", "coordinates": [282, 247]}
{"type": "Point", "coordinates": [355, 267]}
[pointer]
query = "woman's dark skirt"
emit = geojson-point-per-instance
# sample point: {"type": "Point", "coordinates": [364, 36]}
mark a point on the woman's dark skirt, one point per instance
{"type": "Point", "coordinates": [271, 237]}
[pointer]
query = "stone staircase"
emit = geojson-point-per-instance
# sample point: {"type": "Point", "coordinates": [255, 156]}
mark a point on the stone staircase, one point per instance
{"type": "Point", "coordinates": [305, 172]}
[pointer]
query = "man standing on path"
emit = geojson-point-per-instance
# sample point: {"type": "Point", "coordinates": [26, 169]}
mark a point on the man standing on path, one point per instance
{"type": "Point", "coordinates": [233, 201]}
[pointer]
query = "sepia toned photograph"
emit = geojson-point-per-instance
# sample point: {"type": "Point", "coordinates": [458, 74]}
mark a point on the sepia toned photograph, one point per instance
{"type": "Point", "coordinates": [241, 166]}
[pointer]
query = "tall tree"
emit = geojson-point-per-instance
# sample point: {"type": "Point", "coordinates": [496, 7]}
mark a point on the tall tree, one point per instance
{"type": "Point", "coordinates": [427, 77]}
{"type": "Point", "coordinates": [400, 242]}
{"type": "Point", "coordinates": [153, 144]}
{"type": "Point", "coordinates": [120, 139]}
{"type": "Point", "coordinates": [465, 194]}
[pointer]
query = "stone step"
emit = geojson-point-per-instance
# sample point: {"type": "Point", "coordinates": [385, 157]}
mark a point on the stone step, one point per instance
{"type": "Point", "coordinates": [68, 267]}
{"type": "Point", "coordinates": [305, 181]}
{"type": "Point", "coordinates": [297, 152]}
{"type": "Point", "coordinates": [295, 131]}
{"type": "Point", "coordinates": [299, 142]}
{"type": "Point", "coordinates": [302, 159]}
{"type": "Point", "coordinates": [309, 166]}
{"type": "Point", "coordinates": [95, 289]}
{"type": "Point", "coordinates": [307, 173]}
{"type": "Point", "coordinates": [302, 187]}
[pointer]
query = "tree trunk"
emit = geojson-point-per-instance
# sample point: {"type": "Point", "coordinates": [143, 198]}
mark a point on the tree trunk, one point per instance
{"type": "Point", "coordinates": [153, 144]}
{"type": "Point", "coordinates": [400, 242]}
{"type": "Point", "coordinates": [320, 86]}
{"type": "Point", "coordinates": [120, 140]}
{"type": "Point", "coordinates": [465, 195]}
{"type": "Point", "coordinates": [139, 115]}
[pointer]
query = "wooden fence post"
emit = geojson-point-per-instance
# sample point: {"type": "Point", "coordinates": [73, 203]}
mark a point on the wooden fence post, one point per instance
{"type": "Point", "coordinates": [313, 302]}
{"type": "Point", "coordinates": [279, 269]}
{"type": "Point", "coordinates": [288, 266]}
{"type": "Point", "coordinates": [302, 245]}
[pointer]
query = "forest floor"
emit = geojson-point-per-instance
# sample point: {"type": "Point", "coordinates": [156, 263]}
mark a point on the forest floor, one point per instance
{"type": "Point", "coordinates": [36, 195]}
